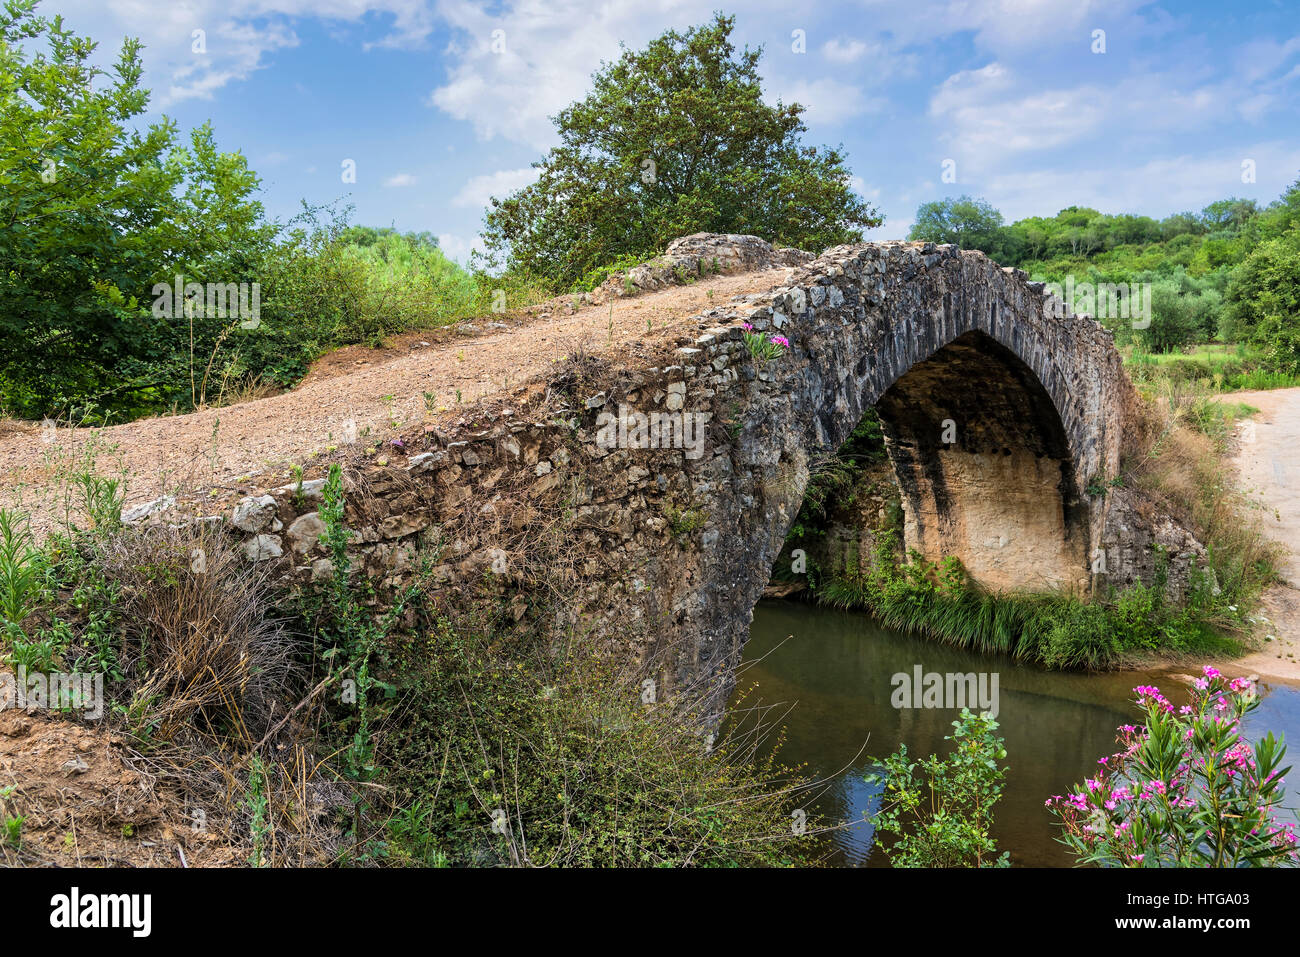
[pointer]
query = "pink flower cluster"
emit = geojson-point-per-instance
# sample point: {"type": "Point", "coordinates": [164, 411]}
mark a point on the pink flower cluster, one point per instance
{"type": "Point", "coordinates": [1217, 768]}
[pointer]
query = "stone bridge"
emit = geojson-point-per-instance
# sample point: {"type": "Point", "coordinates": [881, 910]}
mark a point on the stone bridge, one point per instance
{"type": "Point", "coordinates": [998, 417]}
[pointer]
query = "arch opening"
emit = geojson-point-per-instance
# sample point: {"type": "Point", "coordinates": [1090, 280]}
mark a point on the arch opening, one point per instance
{"type": "Point", "coordinates": [984, 469]}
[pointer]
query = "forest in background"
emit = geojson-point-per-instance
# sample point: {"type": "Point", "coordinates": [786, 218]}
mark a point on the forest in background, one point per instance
{"type": "Point", "coordinates": [1228, 274]}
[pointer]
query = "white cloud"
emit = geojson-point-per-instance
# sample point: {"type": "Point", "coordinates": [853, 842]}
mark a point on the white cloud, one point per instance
{"type": "Point", "coordinates": [985, 116]}
{"type": "Point", "coordinates": [476, 193]}
{"type": "Point", "coordinates": [843, 51]}
{"type": "Point", "coordinates": [457, 247]}
{"type": "Point", "coordinates": [550, 51]}
{"type": "Point", "coordinates": [993, 118]}
{"type": "Point", "coordinates": [240, 36]}
{"type": "Point", "coordinates": [1156, 187]}
{"type": "Point", "coordinates": [828, 101]}
{"type": "Point", "coordinates": [400, 180]}
{"type": "Point", "coordinates": [885, 60]}
{"type": "Point", "coordinates": [859, 186]}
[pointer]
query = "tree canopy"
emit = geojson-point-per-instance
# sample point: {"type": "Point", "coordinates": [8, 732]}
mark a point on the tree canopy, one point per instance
{"type": "Point", "coordinates": [674, 139]}
{"type": "Point", "coordinates": [971, 223]}
{"type": "Point", "coordinates": [98, 212]}
{"type": "Point", "coordinates": [93, 211]}
{"type": "Point", "coordinates": [1231, 270]}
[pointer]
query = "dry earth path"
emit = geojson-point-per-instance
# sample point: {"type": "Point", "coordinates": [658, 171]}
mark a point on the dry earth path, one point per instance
{"type": "Point", "coordinates": [1268, 465]}
{"type": "Point", "coordinates": [356, 394]}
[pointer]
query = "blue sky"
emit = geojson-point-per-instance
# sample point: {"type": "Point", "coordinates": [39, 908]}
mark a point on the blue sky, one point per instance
{"type": "Point", "coordinates": [1010, 92]}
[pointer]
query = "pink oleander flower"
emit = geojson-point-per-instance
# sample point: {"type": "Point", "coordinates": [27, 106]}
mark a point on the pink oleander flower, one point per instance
{"type": "Point", "coordinates": [781, 341]}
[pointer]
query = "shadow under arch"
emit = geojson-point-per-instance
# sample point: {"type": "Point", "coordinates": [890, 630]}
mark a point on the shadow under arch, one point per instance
{"type": "Point", "coordinates": [984, 469]}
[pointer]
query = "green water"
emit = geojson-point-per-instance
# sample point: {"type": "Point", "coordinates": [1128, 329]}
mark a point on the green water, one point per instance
{"type": "Point", "coordinates": [833, 671]}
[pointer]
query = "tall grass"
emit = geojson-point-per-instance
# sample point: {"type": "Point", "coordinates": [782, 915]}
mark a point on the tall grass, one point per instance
{"type": "Point", "coordinates": [1212, 367]}
{"type": "Point", "coordinates": [1055, 629]}
{"type": "Point", "coordinates": [1175, 464]}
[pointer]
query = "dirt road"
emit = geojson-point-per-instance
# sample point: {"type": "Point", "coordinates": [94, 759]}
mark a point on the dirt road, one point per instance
{"type": "Point", "coordinates": [1268, 462]}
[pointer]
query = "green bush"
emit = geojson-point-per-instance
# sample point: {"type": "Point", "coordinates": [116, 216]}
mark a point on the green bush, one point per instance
{"type": "Point", "coordinates": [1264, 301]}
{"type": "Point", "coordinates": [942, 816]}
{"type": "Point", "coordinates": [518, 755]}
{"type": "Point", "coordinates": [99, 221]}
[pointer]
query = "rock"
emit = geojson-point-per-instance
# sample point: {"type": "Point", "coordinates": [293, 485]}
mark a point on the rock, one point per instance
{"type": "Point", "coordinates": [263, 548]}
{"type": "Point", "coordinates": [139, 513]}
{"type": "Point", "coordinates": [310, 490]}
{"type": "Point", "coordinates": [255, 513]}
{"type": "Point", "coordinates": [304, 532]}
{"type": "Point", "coordinates": [426, 461]}
{"type": "Point", "coordinates": [399, 526]}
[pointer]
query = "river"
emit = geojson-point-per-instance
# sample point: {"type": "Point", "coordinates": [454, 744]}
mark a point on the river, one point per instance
{"type": "Point", "coordinates": [833, 671]}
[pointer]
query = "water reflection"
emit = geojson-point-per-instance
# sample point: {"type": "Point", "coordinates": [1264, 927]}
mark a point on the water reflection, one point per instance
{"type": "Point", "coordinates": [836, 667]}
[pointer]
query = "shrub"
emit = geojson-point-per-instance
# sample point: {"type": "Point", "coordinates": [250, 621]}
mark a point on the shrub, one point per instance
{"type": "Point", "coordinates": [517, 754]}
{"type": "Point", "coordinates": [203, 641]}
{"type": "Point", "coordinates": [1185, 790]}
{"type": "Point", "coordinates": [942, 816]}
{"type": "Point", "coordinates": [1264, 301]}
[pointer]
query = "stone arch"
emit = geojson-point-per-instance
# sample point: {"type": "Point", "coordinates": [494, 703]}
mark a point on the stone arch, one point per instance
{"type": "Point", "coordinates": [984, 469]}
{"type": "Point", "coordinates": [931, 335]}
{"type": "Point", "coordinates": [887, 324]}
{"type": "Point", "coordinates": [677, 548]}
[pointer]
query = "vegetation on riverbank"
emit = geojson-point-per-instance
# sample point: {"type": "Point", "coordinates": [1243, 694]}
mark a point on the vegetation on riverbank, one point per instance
{"type": "Point", "coordinates": [1055, 630]}
{"type": "Point", "coordinates": [307, 729]}
{"type": "Point", "coordinates": [938, 812]}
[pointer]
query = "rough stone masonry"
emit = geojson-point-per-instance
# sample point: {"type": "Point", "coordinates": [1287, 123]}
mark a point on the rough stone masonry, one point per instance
{"type": "Point", "coordinates": [999, 418]}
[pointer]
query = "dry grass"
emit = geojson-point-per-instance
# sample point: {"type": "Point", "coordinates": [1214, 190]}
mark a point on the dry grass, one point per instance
{"type": "Point", "coordinates": [1175, 460]}
{"type": "Point", "coordinates": [211, 647]}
